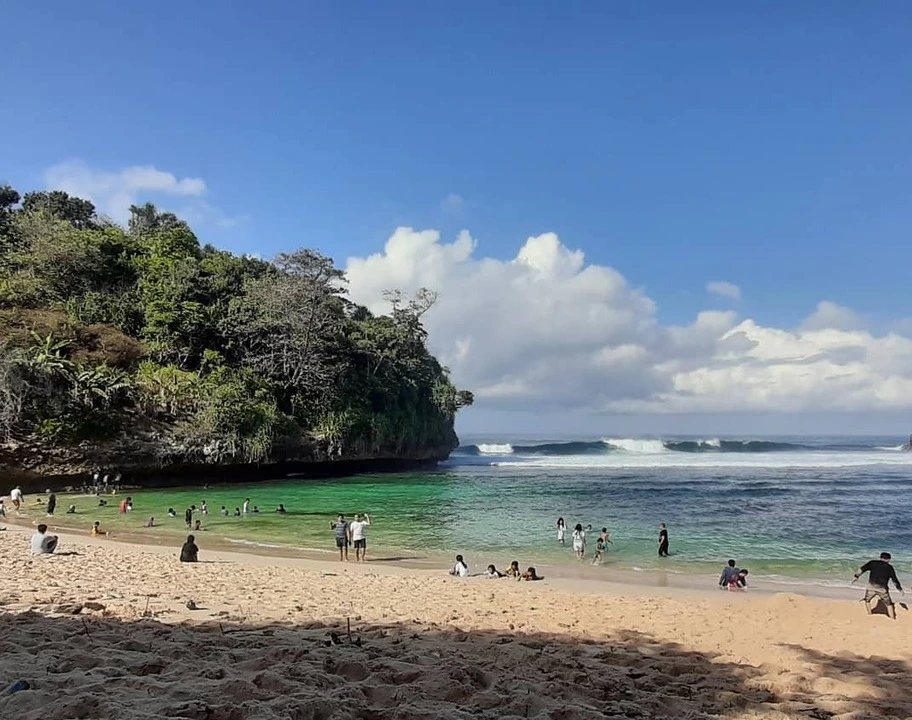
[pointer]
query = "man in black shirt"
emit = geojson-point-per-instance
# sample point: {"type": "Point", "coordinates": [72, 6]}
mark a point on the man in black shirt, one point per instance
{"type": "Point", "coordinates": [663, 540]}
{"type": "Point", "coordinates": [881, 573]}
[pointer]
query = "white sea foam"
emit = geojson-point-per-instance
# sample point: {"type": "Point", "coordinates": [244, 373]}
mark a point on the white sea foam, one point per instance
{"type": "Point", "coordinates": [717, 460]}
{"type": "Point", "coordinates": [714, 442]}
{"type": "Point", "coordinates": [631, 445]}
{"type": "Point", "coordinates": [495, 449]}
{"type": "Point", "coordinates": [893, 448]}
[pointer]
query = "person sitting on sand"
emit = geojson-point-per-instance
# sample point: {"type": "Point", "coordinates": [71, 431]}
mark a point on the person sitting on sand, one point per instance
{"type": "Point", "coordinates": [42, 543]}
{"type": "Point", "coordinates": [579, 541]}
{"type": "Point", "coordinates": [96, 529]}
{"type": "Point", "coordinates": [729, 575]}
{"type": "Point", "coordinates": [882, 573]}
{"type": "Point", "coordinates": [460, 569]}
{"type": "Point", "coordinates": [2, 508]}
{"type": "Point", "coordinates": [513, 570]}
{"type": "Point", "coordinates": [189, 550]}
{"type": "Point", "coordinates": [198, 526]}
{"type": "Point", "coordinates": [280, 509]}
{"type": "Point", "coordinates": [742, 579]}
{"type": "Point", "coordinates": [150, 522]}
{"type": "Point", "coordinates": [71, 510]}
{"type": "Point", "coordinates": [172, 513]}
{"type": "Point", "coordinates": [530, 574]}
{"type": "Point", "coordinates": [492, 573]}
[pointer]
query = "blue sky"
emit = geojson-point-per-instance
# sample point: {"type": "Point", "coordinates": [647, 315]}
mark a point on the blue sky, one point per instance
{"type": "Point", "coordinates": [767, 146]}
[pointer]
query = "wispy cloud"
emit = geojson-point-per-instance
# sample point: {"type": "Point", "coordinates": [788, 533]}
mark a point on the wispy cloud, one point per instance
{"type": "Point", "coordinates": [724, 289]}
{"type": "Point", "coordinates": [452, 202]}
{"type": "Point", "coordinates": [114, 191]}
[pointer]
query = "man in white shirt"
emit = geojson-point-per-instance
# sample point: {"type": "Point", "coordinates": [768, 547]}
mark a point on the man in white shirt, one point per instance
{"type": "Point", "coordinates": [359, 539]}
{"type": "Point", "coordinates": [42, 543]}
{"type": "Point", "coordinates": [16, 497]}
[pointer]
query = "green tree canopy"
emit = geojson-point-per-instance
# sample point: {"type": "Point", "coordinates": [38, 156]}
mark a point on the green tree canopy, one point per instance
{"type": "Point", "coordinates": [109, 331]}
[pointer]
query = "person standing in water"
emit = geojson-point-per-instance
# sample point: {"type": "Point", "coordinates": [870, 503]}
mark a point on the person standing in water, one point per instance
{"type": "Point", "coordinates": [663, 540]}
{"type": "Point", "coordinates": [579, 541]}
{"type": "Point", "coordinates": [561, 530]}
{"type": "Point", "coordinates": [52, 502]}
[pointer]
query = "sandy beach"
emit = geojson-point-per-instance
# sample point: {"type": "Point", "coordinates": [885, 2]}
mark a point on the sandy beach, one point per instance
{"type": "Point", "coordinates": [106, 632]}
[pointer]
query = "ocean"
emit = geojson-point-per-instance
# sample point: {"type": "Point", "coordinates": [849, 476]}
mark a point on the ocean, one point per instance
{"type": "Point", "coordinates": [789, 509]}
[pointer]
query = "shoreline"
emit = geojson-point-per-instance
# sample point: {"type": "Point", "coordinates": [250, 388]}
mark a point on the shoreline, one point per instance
{"type": "Point", "coordinates": [572, 576]}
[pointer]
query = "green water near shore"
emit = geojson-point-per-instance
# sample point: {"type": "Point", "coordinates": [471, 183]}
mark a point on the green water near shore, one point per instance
{"type": "Point", "coordinates": [804, 524]}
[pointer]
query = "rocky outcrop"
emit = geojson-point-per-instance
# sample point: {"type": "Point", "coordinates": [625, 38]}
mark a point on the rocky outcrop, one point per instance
{"type": "Point", "coordinates": [156, 459]}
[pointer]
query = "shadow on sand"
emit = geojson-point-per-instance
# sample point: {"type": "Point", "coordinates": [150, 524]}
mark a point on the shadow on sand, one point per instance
{"type": "Point", "coordinates": [97, 667]}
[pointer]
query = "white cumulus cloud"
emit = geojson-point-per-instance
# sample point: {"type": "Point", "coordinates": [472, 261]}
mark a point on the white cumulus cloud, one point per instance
{"type": "Point", "coordinates": [829, 315]}
{"type": "Point", "coordinates": [546, 329]}
{"type": "Point", "coordinates": [724, 289]}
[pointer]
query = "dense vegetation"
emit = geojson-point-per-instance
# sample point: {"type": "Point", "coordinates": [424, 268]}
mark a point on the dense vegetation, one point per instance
{"type": "Point", "coordinates": [108, 331]}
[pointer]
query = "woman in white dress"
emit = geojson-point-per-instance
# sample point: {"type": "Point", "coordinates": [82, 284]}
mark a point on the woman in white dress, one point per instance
{"type": "Point", "coordinates": [579, 541]}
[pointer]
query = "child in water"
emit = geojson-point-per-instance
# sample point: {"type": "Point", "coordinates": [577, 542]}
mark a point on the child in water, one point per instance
{"type": "Point", "coordinates": [513, 570]}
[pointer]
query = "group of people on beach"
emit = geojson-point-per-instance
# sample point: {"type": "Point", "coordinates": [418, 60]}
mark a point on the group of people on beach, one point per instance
{"type": "Point", "coordinates": [351, 533]}
{"type": "Point", "coordinates": [461, 569]}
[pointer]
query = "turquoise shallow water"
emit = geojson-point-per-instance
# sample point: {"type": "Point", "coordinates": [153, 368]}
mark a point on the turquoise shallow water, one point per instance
{"type": "Point", "coordinates": [807, 508]}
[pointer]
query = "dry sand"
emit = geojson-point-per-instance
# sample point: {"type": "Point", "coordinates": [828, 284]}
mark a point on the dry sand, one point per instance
{"type": "Point", "coordinates": [106, 633]}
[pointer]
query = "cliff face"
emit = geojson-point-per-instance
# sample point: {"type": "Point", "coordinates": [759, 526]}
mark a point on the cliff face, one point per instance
{"type": "Point", "coordinates": [157, 459]}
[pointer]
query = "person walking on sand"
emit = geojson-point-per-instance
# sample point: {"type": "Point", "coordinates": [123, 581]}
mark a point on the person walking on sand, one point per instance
{"type": "Point", "coordinates": [561, 530]}
{"type": "Point", "coordinates": [358, 536]}
{"type": "Point", "coordinates": [16, 497]}
{"type": "Point", "coordinates": [882, 573]}
{"type": "Point", "coordinates": [663, 540]}
{"type": "Point", "coordinates": [579, 541]}
{"type": "Point", "coordinates": [343, 536]}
